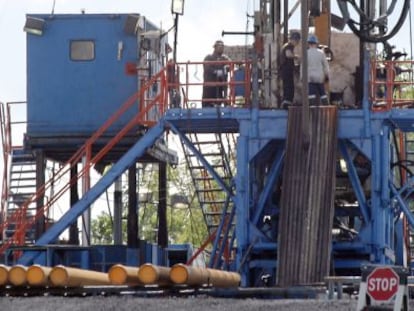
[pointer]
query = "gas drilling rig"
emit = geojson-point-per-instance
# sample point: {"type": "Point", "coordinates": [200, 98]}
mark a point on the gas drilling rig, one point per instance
{"type": "Point", "coordinates": [289, 196]}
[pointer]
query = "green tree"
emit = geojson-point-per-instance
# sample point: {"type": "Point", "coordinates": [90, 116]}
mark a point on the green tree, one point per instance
{"type": "Point", "coordinates": [185, 221]}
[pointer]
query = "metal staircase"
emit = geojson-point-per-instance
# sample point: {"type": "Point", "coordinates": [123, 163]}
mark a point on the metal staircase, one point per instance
{"type": "Point", "coordinates": [17, 225]}
{"type": "Point", "coordinates": [22, 186]}
{"type": "Point", "coordinates": [210, 164]}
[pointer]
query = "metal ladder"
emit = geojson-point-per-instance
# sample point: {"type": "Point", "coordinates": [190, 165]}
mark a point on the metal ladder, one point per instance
{"type": "Point", "coordinates": [211, 156]}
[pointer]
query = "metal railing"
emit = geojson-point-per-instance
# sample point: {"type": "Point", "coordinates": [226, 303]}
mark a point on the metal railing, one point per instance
{"type": "Point", "coordinates": [391, 84]}
{"type": "Point", "coordinates": [185, 84]}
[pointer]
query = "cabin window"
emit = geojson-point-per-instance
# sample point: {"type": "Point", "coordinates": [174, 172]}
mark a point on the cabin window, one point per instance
{"type": "Point", "coordinates": [82, 50]}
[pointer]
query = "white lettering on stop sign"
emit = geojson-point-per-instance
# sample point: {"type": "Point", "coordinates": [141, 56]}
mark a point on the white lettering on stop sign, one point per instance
{"type": "Point", "coordinates": [382, 283]}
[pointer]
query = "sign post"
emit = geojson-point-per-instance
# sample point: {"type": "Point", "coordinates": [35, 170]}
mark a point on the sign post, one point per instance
{"type": "Point", "coordinates": [383, 285]}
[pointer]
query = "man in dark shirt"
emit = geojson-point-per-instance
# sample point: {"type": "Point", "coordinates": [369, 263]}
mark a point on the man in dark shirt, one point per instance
{"type": "Point", "coordinates": [287, 66]}
{"type": "Point", "coordinates": [215, 73]}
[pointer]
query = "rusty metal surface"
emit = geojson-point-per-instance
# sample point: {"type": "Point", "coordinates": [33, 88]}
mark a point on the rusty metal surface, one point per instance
{"type": "Point", "coordinates": [307, 207]}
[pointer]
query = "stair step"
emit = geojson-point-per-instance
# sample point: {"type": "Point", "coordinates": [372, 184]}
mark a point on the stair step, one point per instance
{"type": "Point", "coordinates": [210, 154]}
{"type": "Point", "coordinates": [211, 142]}
{"type": "Point", "coordinates": [23, 179]}
{"type": "Point", "coordinates": [213, 202]}
{"type": "Point", "coordinates": [210, 190]}
{"type": "Point", "coordinates": [199, 167]}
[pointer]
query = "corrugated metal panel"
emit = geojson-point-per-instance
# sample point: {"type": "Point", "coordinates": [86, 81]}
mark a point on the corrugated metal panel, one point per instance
{"type": "Point", "coordinates": [307, 207]}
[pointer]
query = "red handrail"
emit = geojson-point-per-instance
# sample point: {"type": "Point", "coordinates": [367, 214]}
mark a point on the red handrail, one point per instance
{"type": "Point", "coordinates": [391, 84]}
{"type": "Point", "coordinates": [142, 118]}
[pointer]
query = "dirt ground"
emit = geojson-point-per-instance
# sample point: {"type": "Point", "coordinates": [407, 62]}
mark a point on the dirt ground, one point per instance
{"type": "Point", "coordinates": [120, 303]}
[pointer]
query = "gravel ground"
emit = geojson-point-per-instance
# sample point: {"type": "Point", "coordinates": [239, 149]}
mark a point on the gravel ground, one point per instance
{"type": "Point", "coordinates": [159, 304]}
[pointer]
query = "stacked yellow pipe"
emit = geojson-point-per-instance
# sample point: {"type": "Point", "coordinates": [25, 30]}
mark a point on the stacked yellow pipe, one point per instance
{"type": "Point", "coordinates": [123, 275]}
{"type": "Point", "coordinates": [189, 275]}
{"type": "Point", "coordinates": [219, 278]}
{"type": "Point", "coordinates": [38, 275]}
{"type": "Point", "coordinates": [4, 275]}
{"type": "Point", "coordinates": [196, 276]}
{"type": "Point", "coordinates": [17, 275]}
{"type": "Point", "coordinates": [150, 274]}
{"type": "Point", "coordinates": [73, 277]}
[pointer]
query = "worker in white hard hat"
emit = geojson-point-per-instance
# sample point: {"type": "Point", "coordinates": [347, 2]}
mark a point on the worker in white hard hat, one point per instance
{"type": "Point", "coordinates": [318, 73]}
{"type": "Point", "coordinates": [287, 68]}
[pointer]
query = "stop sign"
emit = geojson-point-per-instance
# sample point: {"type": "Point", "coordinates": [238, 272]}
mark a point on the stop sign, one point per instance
{"type": "Point", "coordinates": [382, 283]}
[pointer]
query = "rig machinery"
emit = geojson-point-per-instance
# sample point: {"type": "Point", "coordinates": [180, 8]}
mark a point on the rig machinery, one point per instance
{"type": "Point", "coordinates": [288, 196]}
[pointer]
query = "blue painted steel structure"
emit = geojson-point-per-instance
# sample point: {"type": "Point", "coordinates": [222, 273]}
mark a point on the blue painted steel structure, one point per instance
{"type": "Point", "coordinates": [374, 233]}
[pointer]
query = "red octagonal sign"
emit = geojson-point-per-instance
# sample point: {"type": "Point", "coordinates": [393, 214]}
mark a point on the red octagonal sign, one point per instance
{"type": "Point", "coordinates": [382, 283]}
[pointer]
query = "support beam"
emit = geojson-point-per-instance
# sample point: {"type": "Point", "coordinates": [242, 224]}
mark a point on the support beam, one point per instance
{"type": "Point", "coordinates": [162, 206]}
{"type": "Point", "coordinates": [132, 223]}
{"type": "Point", "coordinates": [117, 229]}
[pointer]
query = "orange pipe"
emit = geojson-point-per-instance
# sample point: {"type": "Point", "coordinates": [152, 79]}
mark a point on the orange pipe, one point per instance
{"type": "Point", "coordinates": [189, 275]}
{"type": "Point", "coordinates": [4, 275]}
{"type": "Point", "coordinates": [219, 278]}
{"type": "Point", "coordinates": [17, 275]}
{"type": "Point", "coordinates": [38, 275]}
{"type": "Point", "coordinates": [73, 277]}
{"type": "Point", "coordinates": [123, 275]}
{"type": "Point", "coordinates": [150, 274]}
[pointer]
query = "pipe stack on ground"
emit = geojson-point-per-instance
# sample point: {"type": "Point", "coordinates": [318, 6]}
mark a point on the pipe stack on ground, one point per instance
{"type": "Point", "coordinates": [189, 275]}
{"type": "Point", "coordinates": [196, 276]}
{"type": "Point", "coordinates": [150, 274]}
{"type": "Point", "coordinates": [219, 278]}
{"type": "Point", "coordinates": [17, 275]}
{"type": "Point", "coordinates": [123, 275]}
{"type": "Point", "coordinates": [4, 275]}
{"type": "Point", "coordinates": [74, 277]}
{"type": "Point", "coordinates": [38, 275]}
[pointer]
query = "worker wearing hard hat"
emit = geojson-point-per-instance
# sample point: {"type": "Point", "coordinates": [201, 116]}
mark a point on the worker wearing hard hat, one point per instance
{"type": "Point", "coordinates": [215, 72]}
{"type": "Point", "coordinates": [287, 68]}
{"type": "Point", "coordinates": [318, 73]}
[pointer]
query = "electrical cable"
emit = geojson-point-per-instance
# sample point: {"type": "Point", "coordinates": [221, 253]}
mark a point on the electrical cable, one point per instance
{"type": "Point", "coordinates": [370, 24]}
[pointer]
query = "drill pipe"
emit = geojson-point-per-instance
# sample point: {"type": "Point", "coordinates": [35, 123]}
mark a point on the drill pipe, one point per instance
{"type": "Point", "coordinates": [182, 274]}
{"type": "Point", "coordinates": [73, 277]}
{"type": "Point", "coordinates": [219, 278]}
{"type": "Point", "coordinates": [123, 275]}
{"type": "Point", "coordinates": [38, 275]}
{"type": "Point", "coordinates": [4, 272]}
{"type": "Point", "coordinates": [150, 274]}
{"type": "Point", "coordinates": [17, 275]}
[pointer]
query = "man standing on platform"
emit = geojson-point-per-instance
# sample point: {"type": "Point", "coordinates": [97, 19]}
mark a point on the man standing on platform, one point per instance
{"type": "Point", "coordinates": [318, 73]}
{"type": "Point", "coordinates": [287, 68]}
{"type": "Point", "coordinates": [215, 73]}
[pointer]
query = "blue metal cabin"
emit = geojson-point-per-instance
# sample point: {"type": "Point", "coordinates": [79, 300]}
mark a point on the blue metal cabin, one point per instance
{"type": "Point", "coordinates": [78, 75]}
